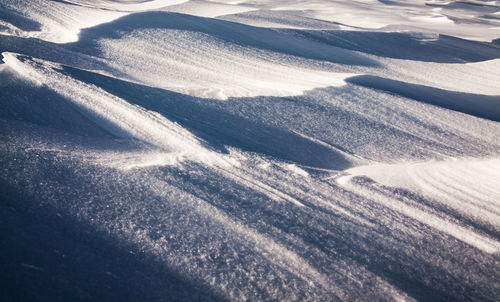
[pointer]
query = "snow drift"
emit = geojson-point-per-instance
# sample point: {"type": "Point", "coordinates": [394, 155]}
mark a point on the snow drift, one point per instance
{"type": "Point", "coordinates": [249, 150]}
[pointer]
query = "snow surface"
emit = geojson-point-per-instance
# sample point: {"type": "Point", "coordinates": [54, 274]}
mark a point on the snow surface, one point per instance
{"type": "Point", "coordinates": [262, 150]}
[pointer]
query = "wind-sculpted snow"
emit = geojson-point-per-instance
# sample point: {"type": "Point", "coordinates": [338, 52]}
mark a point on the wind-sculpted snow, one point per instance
{"type": "Point", "coordinates": [226, 70]}
{"type": "Point", "coordinates": [467, 186]}
{"type": "Point", "coordinates": [473, 20]}
{"type": "Point", "coordinates": [249, 150]}
{"type": "Point", "coordinates": [61, 21]}
{"type": "Point", "coordinates": [474, 104]}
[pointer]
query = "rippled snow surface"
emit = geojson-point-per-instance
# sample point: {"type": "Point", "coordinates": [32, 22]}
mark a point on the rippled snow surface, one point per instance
{"type": "Point", "coordinates": [249, 150]}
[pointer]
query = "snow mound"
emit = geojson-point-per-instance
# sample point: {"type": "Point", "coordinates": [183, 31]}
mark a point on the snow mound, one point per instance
{"type": "Point", "coordinates": [467, 186]}
{"type": "Point", "coordinates": [203, 66]}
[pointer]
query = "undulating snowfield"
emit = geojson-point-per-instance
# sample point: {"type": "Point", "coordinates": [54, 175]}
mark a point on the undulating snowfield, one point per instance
{"type": "Point", "coordinates": [267, 150]}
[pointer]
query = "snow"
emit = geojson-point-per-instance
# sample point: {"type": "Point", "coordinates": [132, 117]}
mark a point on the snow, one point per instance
{"type": "Point", "coordinates": [227, 70]}
{"type": "Point", "coordinates": [249, 150]}
{"type": "Point", "coordinates": [466, 185]}
{"type": "Point", "coordinates": [61, 22]}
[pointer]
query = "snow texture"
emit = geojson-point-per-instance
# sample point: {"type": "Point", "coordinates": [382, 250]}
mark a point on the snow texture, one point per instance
{"type": "Point", "coordinates": [262, 150]}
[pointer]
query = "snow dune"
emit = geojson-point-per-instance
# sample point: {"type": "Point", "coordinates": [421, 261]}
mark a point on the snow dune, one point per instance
{"type": "Point", "coordinates": [226, 71]}
{"type": "Point", "coordinates": [456, 18]}
{"type": "Point", "coordinates": [477, 78]}
{"type": "Point", "coordinates": [124, 120]}
{"type": "Point", "coordinates": [249, 150]}
{"type": "Point", "coordinates": [61, 22]}
{"type": "Point", "coordinates": [464, 185]}
{"type": "Point", "coordinates": [474, 104]}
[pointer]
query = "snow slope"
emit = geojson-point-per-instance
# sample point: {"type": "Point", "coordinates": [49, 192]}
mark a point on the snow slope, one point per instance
{"type": "Point", "coordinates": [249, 150]}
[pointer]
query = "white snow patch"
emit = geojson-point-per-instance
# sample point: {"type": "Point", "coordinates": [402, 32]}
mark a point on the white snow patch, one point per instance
{"type": "Point", "coordinates": [469, 186]}
{"type": "Point", "coordinates": [203, 66]}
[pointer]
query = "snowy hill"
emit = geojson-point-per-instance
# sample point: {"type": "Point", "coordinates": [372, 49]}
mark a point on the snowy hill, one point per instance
{"type": "Point", "coordinates": [286, 150]}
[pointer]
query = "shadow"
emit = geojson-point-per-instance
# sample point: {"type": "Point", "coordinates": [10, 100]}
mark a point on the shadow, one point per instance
{"type": "Point", "coordinates": [217, 127]}
{"type": "Point", "coordinates": [53, 52]}
{"type": "Point", "coordinates": [18, 20]}
{"type": "Point", "coordinates": [381, 250]}
{"type": "Point", "coordinates": [483, 106]}
{"type": "Point", "coordinates": [407, 46]}
{"type": "Point", "coordinates": [466, 5]}
{"type": "Point", "coordinates": [23, 101]}
{"type": "Point", "coordinates": [48, 257]}
{"type": "Point", "coordinates": [394, 3]}
{"type": "Point", "coordinates": [244, 35]}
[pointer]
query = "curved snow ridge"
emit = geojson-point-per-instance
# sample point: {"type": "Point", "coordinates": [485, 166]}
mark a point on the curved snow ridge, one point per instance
{"type": "Point", "coordinates": [280, 19]}
{"type": "Point", "coordinates": [483, 106]}
{"type": "Point", "coordinates": [62, 21]}
{"type": "Point", "coordinates": [410, 45]}
{"type": "Point", "coordinates": [200, 65]}
{"type": "Point", "coordinates": [468, 186]}
{"type": "Point", "coordinates": [209, 9]}
{"type": "Point", "coordinates": [128, 6]}
{"type": "Point", "coordinates": [477, 77]}
{"type": "Point", "coordinates": [114, 114]}
{"type": "Point", "coordinates": [396, 14]}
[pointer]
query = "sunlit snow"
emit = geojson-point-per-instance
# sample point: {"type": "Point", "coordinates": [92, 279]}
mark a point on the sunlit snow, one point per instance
{"type": "Point", "coordinates": [261, 150]}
